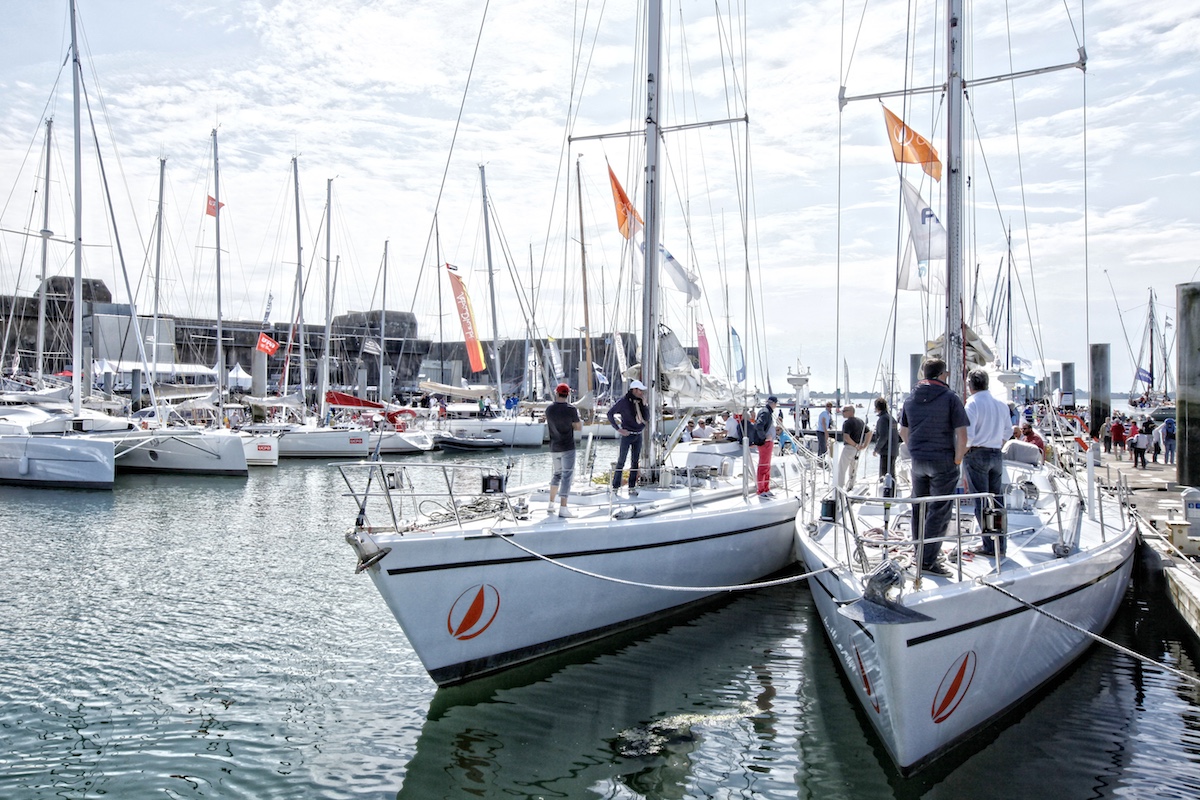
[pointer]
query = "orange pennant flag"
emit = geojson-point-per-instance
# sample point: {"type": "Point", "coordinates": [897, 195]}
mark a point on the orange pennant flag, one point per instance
{"type": "Point", "coordinates": [211, 207]}
{"type": "Point", "coordinates": [910, 147]}
{"type": "Point", "coordinates": [628, 219]}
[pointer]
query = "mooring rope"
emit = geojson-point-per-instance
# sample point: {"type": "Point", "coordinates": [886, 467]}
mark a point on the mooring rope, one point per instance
{"type": "Point", "coordinates": [741, 587]}
{"type": "Point", "coordinates": [1096, 637]}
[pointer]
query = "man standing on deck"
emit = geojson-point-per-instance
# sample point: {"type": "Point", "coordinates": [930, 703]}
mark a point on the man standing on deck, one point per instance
{"type": "Point", "coordinates": [628, 416]}
{"type": "Point", "coordinates": [990, 428]}
{"type": "Point", "coordinates": [764, 439]}
{"type": "Point", "coordinates": [855, 437]}
{"type": "Point", "coordinates": [824, 425]}
{"type": "Point", "coordinates": [933, 423]}
{"type": "Point", "coordinates": [562, 420]}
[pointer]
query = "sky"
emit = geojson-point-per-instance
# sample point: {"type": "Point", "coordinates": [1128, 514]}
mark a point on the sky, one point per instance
{"type": "Point", "coordinates": [400, 102]}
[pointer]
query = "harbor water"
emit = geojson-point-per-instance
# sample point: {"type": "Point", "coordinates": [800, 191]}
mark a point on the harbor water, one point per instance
{"type": "Point", "coordinates": [189, 637]}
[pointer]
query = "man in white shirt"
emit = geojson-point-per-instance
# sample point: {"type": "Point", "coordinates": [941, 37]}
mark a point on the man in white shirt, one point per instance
{"type": "Point", "coordinates": [733, 430]}
{"type": "Point", "coordinates": [990, 428]}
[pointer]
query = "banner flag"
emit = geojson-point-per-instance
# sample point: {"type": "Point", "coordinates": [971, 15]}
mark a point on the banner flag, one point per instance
{"type": "Point", "coordinates": [467, 318]}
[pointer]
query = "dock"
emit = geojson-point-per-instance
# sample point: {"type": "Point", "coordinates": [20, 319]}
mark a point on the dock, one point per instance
{"type": "Point", "coordinates": [1156, 499]}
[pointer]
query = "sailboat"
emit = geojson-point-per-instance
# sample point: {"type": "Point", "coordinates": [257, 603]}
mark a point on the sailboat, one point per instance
{"type": "Point", "coordinates": [933, 658]}
{"type": "Point", "coordinates": [157, 445]}
{"type": "Point", "coordinates": [1151, 391]}
{"type": "Point", "coordinates": [307, 437]}
{"type": "Point", "coordinates": [481, 578]}
{"type": "Point", "coordinates": [32, 453]}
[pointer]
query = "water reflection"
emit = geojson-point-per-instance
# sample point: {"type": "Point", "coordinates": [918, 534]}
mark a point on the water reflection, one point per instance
{"type": "Point", "coordinates": [632, 716]}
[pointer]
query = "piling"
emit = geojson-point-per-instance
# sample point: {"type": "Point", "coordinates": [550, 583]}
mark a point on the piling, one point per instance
{"type": "Point", "coordinates": [258, 373]}
{"type": "Point", "coordinates": [1099, 388]}
{"type": "Point", "coordinates": [1068, 383]}
{"type": "Point", "coordinates": [1187, 349]}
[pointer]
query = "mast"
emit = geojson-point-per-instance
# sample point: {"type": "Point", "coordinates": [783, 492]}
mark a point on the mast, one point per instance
{"type": "Point", "coordinates": [77, 289]}
{"type": "Point", "coordinates": [954, 196]}
{"type": "Point", "coordinates": [220, 330]}
{"type": "Point", "coordinates": [487, 239]}
{"type": "Point", "coordinates": [299, 295]}
{"type": "Point", "coordinates": [650, 296]}
{"type": "Point", "coordinates": [587, 326]}
{"type": "Point", "coordinates": [324, 382]}
{"type": "Point", "coordinates": [45, 233]}
{"type": "Point", "coordinates": [162, 172]}
{"type": "Point", "coordinates": [382, 324]}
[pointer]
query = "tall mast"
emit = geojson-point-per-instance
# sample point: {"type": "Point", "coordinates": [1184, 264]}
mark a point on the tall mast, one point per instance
{"type": "Point", "coordinates": [162, 172]}
{"type": "Point", "coordinates": [220, 330]}
{"type": "Point", "coordinates": [299, 293]}
{"type": "Point", "coordinates": [954, 196]}
{"type": "Point", "coordinates": [650, 296]}
{"type": "Point", "coordinates": [45, 233]}
{"type": "Point", "coordinates": [382, 326]}
{"type": "Point", "coordinates": [487, 239]}
{"type": "Point", "coordinates": [77, 289]}
{"type": "Point", "coordinates": [324, 382]}
{"type": "Point", "coordinates": [587, 325]}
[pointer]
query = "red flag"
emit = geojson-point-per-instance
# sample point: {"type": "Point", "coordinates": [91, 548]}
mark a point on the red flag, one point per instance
{"type": "Point", "coordinates": [267, 344]}
{"type": "Point", "coordinates": [467, 317]}
{"type": "Point", "coordinates": [211, 206]}
{"type": "Point", "coordinates": [702, 342]}
{"type": "Point", "coordinates": [910, 147]}
{"type": "Point", "coordinates": [628, 220]}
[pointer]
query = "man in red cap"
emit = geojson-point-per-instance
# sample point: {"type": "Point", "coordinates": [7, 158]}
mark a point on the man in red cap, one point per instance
{"type": "Point", "coordinates": [562, 420]}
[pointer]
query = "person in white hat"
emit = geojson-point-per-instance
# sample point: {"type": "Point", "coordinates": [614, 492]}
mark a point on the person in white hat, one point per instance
{"type": "Point", "coordinates": [628, 416]}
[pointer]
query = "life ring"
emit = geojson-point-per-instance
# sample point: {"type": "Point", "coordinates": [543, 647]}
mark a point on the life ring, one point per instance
{"type": "Point", "coordinates": [401, 426]}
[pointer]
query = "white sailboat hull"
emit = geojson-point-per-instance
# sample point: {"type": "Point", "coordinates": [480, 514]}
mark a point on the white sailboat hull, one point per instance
{"type": "Point", "coordinates": [530, 608]}
{"type": "Point", "coordinates": [261, 449]}
{"type": "Point", "coordinates": [192, 451]}
{"type": "Point", "coordinates": [926, 686]}
{"type": "Point", "coordinates": [56, 461]}
{"type": "Point", "coordinates": [514, 432]}
{"type": "Point", "coordinates": [305, 441]}
{"type": "Point", "coordinates": [400, 442]}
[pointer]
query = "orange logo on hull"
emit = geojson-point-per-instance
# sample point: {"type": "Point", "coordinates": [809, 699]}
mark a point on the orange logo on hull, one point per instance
{"type": "Point", "coordinates": [953, 687]}
{"type": "Point", "coordinates": [473, 611]}
{"type": "Point", "coordinates": [866, 682]}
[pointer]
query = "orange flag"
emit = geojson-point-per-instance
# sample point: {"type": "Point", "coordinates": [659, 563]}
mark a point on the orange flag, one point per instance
{"type": "Point", "coordinates": [266, 344]}
{"type": "Point", "coordinates": [910, 147]}
{"type": "Point", "coordinates": [467, 317]}
{"type": "Point", "coordinates": [211, 207]}
{"type": "Point", "coordinates": [628, 220]}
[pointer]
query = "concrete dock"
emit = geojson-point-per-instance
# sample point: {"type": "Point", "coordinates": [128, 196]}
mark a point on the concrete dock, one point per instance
{"type": "Point", "coordinates": [1156, 500]}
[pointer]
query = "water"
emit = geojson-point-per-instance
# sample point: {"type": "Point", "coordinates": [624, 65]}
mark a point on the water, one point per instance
{"type": "Point", "coordinates": [208, 638]}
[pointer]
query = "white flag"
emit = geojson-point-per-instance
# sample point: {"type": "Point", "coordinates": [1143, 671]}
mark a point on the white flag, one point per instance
{"type": "Point", "coordinates": [928, 235]}
{"type": "Point", "coordinates": [927, 243]}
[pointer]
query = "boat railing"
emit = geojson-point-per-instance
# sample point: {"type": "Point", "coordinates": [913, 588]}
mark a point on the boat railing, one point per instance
{"type": "Point", "coordinates": [849, 511]}
{"type": "Point", "coordinates": [423, 495]}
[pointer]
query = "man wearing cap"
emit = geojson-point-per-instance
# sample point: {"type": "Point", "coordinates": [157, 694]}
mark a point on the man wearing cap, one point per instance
{"type": "Point", "coordinates": [628, 416]}
{"type": "Point", "coordinates": [562, 420]}
{"type": "Point", "coordinates": [764, 427]}
{"type": "Point", "coordinates": [855, 437]}
{"type": "Point", "coordinates": [824, 425]}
